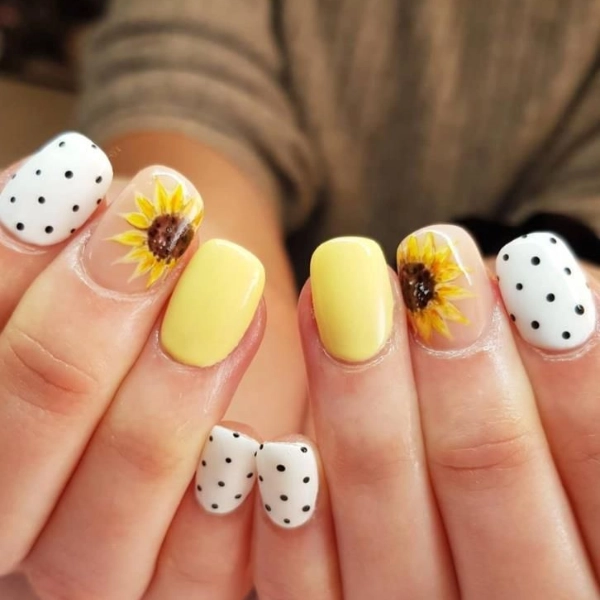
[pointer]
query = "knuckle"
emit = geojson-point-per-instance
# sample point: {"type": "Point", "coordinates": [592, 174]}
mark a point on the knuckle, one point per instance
{"type": "Point", "coordinates": [51, 584]}
{"type": "Point", "coordinates": [40, 375]}
{"type": "Point", "coordinates": [482, 457]}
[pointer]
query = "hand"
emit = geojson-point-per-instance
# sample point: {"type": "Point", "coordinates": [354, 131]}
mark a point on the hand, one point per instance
{"type": "Point", "coordinates": [457, 456]}
{"type": "Point", "coordinates": [106, 402]}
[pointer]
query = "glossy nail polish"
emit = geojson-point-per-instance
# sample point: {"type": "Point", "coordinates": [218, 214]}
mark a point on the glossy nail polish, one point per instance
{"type": "Point", "coordinates": [227, 470]}
{"type": "Point", "coordinates": [352, 297]}
{"type": "Point", "coordinates": [55, 191]}
{"type": "Point", "coordinates": [213, 304]}
{"type": "Point", "coordinates": [145, 231]}
{"type": "Point", "coordinates": [445, 287]}
{"type": "Point", "coordinates": [289, 482]}
{"type": "Point", "coordinates": [545, 292]}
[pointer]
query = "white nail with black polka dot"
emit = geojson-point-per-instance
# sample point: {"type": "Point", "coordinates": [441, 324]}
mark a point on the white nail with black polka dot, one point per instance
{"type": "Point", "coordinates": [545, 292]}
{"type": "Point", "coordinates": [56, 191]}
{"type": "Point", "coordinates": [227, 470]}
{"type": "Point", "coordinates": [288, 481]}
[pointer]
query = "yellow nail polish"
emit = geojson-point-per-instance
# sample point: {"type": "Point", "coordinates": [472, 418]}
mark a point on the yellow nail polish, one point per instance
{"type": "Point", "coordinates": [352, 297]}
{"type": "Point", "coordinates": [213, 304]}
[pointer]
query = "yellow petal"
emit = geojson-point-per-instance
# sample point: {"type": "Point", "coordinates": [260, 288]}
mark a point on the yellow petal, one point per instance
{"type": "Point", "coordinates": [448, 273]}
{"type": "Point", "coordinates": [448, 311]}
{"type": "Point", "coordinates": [421, 324]}
{"type": "Point", "coordinates": [428, 253]}
{"type": "Point", "coordinates": [143, 267]}
{"type": "Point", "coordinates": [130, 238]}
{"type": "Point", "coordinates": [146, 207]}
{"type": "Point", "coordinates": [439, 324]}
{"type": "Point", "coordinates": [198, 219]}
{"type": "Point", "coordinates": [162, 200]}
{"type": "Point", "coordinates": [134, 255]}
{"type": "Point", "coordinates": [413, 253]}
{"type": "Point", "coordinates": [157, 272]}
{"type": "Point", "coordinates": [177, 199]}
{"type": "Point", "coordinates": [453, 292]}
{"type": "Point", "coordinates": [137, 220]}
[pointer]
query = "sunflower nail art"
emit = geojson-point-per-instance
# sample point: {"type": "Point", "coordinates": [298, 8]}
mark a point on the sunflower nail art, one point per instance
{"type": "Point", "coordinates": [432, 280]}
{"type": "Point", "coordinates": [163, 229]}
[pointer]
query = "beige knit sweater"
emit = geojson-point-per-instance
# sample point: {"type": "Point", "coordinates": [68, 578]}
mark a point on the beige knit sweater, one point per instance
{"type": "Point", "coordinates": [391, 114]}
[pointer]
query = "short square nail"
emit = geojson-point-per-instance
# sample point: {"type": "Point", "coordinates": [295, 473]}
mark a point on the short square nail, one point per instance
{"type": "Point", "coordinates": [545, 292]}
{"type": "Point", "coordinates": [55, 191]}
{"type": "Point", "coordinates": [352, 298]}
{"type": "Point", "coordinates": [227, 470]}
{"type": "Point", "coordinates": [145, 232]}
{"type": "Point", "coordinates": [445, 287]}
{"type": "Point", "coordinates": [288, 479]}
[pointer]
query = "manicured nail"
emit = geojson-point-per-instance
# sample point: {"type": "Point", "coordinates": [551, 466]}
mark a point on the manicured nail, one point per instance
{"type": "Point", "coordinates": [145, 232]}
{"type": "Point", "coordinates": [545, 292]}
{"type": "Point", "coordinates": [445, 286]}
{"type": "Point", "coordinates": [352, 297]}
{"type": "Point", "coordinates": [227, 470]}
{"type": "Point", "coordinates": [213, 304]}
{"type": "Point", "coordinates": [288, 479]}
{"type": "Point", "coordinates": [56, 191]}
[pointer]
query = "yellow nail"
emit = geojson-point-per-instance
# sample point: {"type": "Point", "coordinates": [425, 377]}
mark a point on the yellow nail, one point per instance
{"type": "Point", "coordinates": [213, 304]}
{"type": "Point", "coordinates": [352, 297]}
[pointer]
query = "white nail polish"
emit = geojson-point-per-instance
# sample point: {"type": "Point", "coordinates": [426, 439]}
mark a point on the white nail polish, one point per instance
{"type": "Point", "coordinates": [56, 191]}
{"type": "Point", "coordinates": [289, 482]}
{"type": "Point", "coordinates": [545, 291]}
{"type": "Point", "coordinates": [227, 470]}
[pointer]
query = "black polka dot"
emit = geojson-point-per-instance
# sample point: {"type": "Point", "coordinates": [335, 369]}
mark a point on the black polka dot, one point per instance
{"type": "Point", "coordinates": [306, 479]}
{"type": "Point", "coordinates": [260, 478]}
{"type": "Point", "coordinates": [305, 508]}
{"type": "Point", "coordinates": [280, 468]}
{"type": "Point", "coordinates": [38, 172]}
{"type": "Point", "coordinates": [221, 484]}
{"type": "Point", "coordinates": [519, 286]}
{"type": "Point", "coordinates": [98, 179]}
{"type": "Point", "coordinates": [566, 335]}
{"type": "Point", "coordinates": [41, 200]}
{"type": "Point", "coordinates": [199, 488]}
{"type": "Point", "coordinates": [255, 453]}
{"type": "Point", "coordinates": [49, 229]}
{"type": "Point", "coordinates": [203, 463]}
{"type": "Point", "coordinates": [553, 240]}
{"type": "Point", "coordinates": [210, 439]}
{"type": "Point", "coordinates": [286, 521]}
{"type": "Point", "coordinates": [267, 508]}
{"type": "Point", "coordinates": [579, 309]}
{"type": "Point", "coordinates": [62, 145]}
{"type": "Point", "coordinates": [94, 146]}
{"type": "Point", "coordinates": [250, 475]}
{"type": "Point", "coordinates": [73, 230]}
{"type": "Point", "coordinates": [551, 297]}
{"type": "Point", "coordinates": [236, 435]}
{"type": "Point", "coordinates": [69, 174]}
{"type": "Point", "coordinates": [304, 449]}
{"type": "Point", "coordinates": [505, 257]}
{"type": "Point", "coordinates": [99, 201]}
{"type": "Point", "coordinates": [20, 226]}
{"type": "Point", "coordinates": [568, 271]}
{"type": "Point", "coordinates": [536, 261]}
{"type": "Point", "coordinates": [261, 446]}
{"type": "Point", "coordinates": [13, 200]}
{"type": "Point", "coordinates": [535, 324]}
{"type": "Point", "coordinates": [283, 498]}
{"type": "Point", "coordinates": [14, 176]}
{"type": "Point", "coordinates": [513, 318]}
{"type": "Point", "coordinates": [228, 460]}
{"type": "Point", "coordinates": [75, 207]}
{"type": "Point", "coordinates": [238, 496]}
{"type": "Point", "coordinates": [214, 506]}
{"type": "Point", "coordinates": [524, 236]}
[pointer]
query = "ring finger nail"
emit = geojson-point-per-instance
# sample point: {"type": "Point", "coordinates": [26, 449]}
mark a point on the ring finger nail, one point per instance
{"type": "Point", "coordinates": [545, 292]}
{"type": "Point", "coordinates": [56, 191]}
{"type": "Point", "coordinates": [445, 286]}
{"type": "Point", "coordinates": [227, 470]}
{"type": "Point", "coordinates": [145, 232]}
{"type": "Point", "coordinates": [289, 482]}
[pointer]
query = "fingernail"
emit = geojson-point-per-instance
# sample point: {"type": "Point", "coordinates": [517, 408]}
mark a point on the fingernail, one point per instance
{"type": "Point", "coordinates": [352, 297]}
{"type": "Point", "coordinates": [56, 191]}
{"type": "Point", "coordinates": [213, 304]}
{"type": "Point", "coordinates": [288, 479]}
{"type": "Point", "coordinates": [227, 470]}
{"type": "Point", "coordinates": [145, 231]}
{"type": "Point", "coordinates": [545, 291]}
{"type": "Point", "coordinates": [444, 286]}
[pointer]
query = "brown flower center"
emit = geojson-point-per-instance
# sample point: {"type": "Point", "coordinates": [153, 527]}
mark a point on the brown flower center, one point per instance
{"type": "Point", "coordinates": [417, 284]}
{"type": "Point", "coordinates": [169, 237]}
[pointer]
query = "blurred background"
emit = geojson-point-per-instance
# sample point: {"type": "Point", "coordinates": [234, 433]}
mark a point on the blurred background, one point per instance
{"type": "Point", "coordinates": [39, 50]}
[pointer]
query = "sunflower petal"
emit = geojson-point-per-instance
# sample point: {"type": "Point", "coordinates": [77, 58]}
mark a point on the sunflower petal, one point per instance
{"type": "Point", "coordinates": [198, 219]}
{"type": "Point", "coordinates": [137, 220]}
{"type": "Point", "coordinates": [439, 324]}
{"type": "Point", "coordinates": [448, 273]}
{"type": "Point", "coordinates": [156, 273]}
{"type": "Point", "coordinates": [143, 267]}
{"type": "Point", "coordinates": [448, 311]}
{"type": "Point", "coordinates": [421, 324]}
{"type": "Point", "coordinates": [130, 238]}
{"type": "Point", "coordinates": [412, 251]}
{"type": "Point", "coordinates": [134, 255]}
{"type": "Point", "coordinates": [428, 252]}
{"type": "Point", "coordinates": [453, 292]}
{"type": "Point", "coordinates": [177, 199]}
{"type": "Point", "coordinates": [146, 207]}
{"type": "Point", "coordinates": [162, 200]}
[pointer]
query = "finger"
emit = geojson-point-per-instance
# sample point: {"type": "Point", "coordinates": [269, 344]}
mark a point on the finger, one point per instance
{"type": "Point", "coordinates": [294, 545]}
{"type": "Point", "coordinates": [63, 354]}
{"type": "Point", "coordinates": [507, 517]}
{"type": "Point", "coordinates": [143, 454]}
{"type": "Point", "coordinates": [542, 283]}
{"type": "Point", "coordinates": [367, 422]}
{"type": "Point", "coordinates": [206, 553]}
{"type": "Point", "coordinates": [44, 201]}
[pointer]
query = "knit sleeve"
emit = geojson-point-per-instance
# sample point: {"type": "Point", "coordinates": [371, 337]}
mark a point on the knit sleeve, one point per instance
{"type": "Point", "coordinates": [211, 69]}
